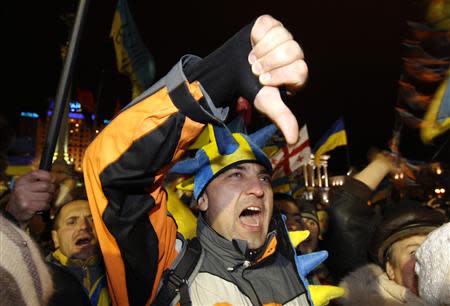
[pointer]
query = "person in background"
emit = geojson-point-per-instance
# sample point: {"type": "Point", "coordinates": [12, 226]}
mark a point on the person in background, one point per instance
{"type": "Point", "coordinates": [77, 251]}
{"type": "Point", "coordinates": [353, 224]}
{"type": "Point", "coordinates": [391, 279]}
{"type": "Point", "coordinates": [351, 221]}
{"type": "Point", "coordinates": [32, 193]}
{"type": "Point", "coordinates": [300, 215]}
{"type": "Point", "coordinates": [322, 215]}
{"type": "Point", "coordinates": [39, 191]}
{"type": "Point", "coordinates": [286, 205]}
{"type": "Point", "coordinates": [25, 279]}
{"type": "Point", "coordinates": [310, 222]}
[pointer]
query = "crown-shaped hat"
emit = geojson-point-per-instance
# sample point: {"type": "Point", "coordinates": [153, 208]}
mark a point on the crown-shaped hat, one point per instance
{"type": "Point", "coordinates": [224, 150]}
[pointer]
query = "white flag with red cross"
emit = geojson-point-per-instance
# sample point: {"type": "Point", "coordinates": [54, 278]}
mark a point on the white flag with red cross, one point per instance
{"type": "Point", "coordinates": [291, 157]}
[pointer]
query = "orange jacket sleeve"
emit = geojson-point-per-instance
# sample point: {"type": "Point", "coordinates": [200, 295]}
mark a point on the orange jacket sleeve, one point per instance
{"type": "Point", "coordinates": [124, 169]}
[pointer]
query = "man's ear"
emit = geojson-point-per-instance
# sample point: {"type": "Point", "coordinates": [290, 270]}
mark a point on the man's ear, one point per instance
{"type": "Point", "coordinates": [55, 239]}
{"type": "Point", "coordinates": [389, 270]}
{"type": "Point", "coordinates": [203, 202]}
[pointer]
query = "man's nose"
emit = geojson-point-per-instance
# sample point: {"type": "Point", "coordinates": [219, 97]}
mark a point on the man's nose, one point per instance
{"type": "Point", "coordinates": [255, 186]}
{"type": "Point", "coordinates": [303, 225]}
{"type": "Point", "coordinates": [85, 224]}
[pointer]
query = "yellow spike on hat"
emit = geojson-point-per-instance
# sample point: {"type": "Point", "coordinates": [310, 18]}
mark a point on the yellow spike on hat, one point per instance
{"type": "Point", "coordinates": [186, 220]}
{"type": "Point", "coordinates": [186, 185]}
{"type": "Point", "coordinates": [322, 294]}
{"type": "Point", "coordinates": [201, 140]}
{"type": "Point", "coordinates": [270, 150]}
{"type": "Point", "coordinates": [298, 237]}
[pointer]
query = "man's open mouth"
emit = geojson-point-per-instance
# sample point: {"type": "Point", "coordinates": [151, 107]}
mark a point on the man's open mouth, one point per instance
{"type": "Point", "coordinates": [251, 216]}
{"type": "Point", "coordinates": [82, 242]}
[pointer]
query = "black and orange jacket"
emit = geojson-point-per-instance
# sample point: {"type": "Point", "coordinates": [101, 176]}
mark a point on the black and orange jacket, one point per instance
{"type": "Point", "coordinates": [124, 169]}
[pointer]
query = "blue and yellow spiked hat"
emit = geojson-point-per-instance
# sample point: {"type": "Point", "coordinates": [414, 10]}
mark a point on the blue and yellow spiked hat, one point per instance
{"type": "Point", "coordinates": [223, 150]}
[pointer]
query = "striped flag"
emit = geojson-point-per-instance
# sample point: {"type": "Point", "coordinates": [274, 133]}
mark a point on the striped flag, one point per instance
{"type": "Point", "coordinates": [132, 57]}
{"type": "Point", "coordinates": [437, 118]}
{"type": "Point", "coordinates": [334, 137]}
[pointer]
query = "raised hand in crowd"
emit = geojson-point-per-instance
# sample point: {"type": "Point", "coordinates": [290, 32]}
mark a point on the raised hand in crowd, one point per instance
{"type": "Point", "coordinates": [31, 193]}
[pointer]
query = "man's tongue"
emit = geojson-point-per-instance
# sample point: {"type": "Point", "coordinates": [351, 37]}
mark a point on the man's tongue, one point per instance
{"type": "Point", "coordinates": [251, 218]}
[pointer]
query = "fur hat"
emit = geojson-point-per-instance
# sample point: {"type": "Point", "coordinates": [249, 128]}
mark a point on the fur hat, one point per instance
{"type": "Point", "coordinates": [402, 220]}
{"type": "Point", "coordinates": [223, 151]}
{"type": "Point", "coordinates": [433, 267]}
{"type": "Point", "coordinates": [24, 276]}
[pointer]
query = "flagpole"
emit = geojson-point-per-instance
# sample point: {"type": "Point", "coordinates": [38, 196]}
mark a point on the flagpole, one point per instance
{"type": "Point", "coordinates": [347, 149]}
{"type": "Point", "coordinates": [440, 148]}
{"type": "Point", "coordinates": [347, 153]}
{"type": "Point", "coordinates": [98, 98]}
{"type": "Point", "coordinates": [63, 88]}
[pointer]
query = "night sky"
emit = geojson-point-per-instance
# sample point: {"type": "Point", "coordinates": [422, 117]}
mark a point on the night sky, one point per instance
{"type": "Point", "coordinates": [352, 48]}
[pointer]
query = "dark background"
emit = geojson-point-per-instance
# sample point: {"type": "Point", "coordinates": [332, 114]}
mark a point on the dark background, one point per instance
{"type": "Point", "coordinates": [352, 48]}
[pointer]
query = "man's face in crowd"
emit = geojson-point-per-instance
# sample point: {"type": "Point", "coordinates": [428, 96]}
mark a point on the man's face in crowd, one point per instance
{"type": "Point", "coordinates": [401, 262]}
{"type": "Point", "coordinates": [238, 203]}
{"type": "Point", "coordinates": [74, 234]}
{"type": "Point", "coordinates": [292, 213]}
{"type": "Point", "coordinates": [311, 243]}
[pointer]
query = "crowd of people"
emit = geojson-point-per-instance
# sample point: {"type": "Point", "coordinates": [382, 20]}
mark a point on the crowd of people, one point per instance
{"type": "Point", "coordinates": [115, 239]}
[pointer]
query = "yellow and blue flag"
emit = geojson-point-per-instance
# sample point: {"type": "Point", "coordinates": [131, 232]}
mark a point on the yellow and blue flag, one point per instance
{"type": "Point", "coordinates": [333, 138]}
{"type": "Point", "coordinates": [437, 118]}
{"type": "Point", "coordinates": [132, 57]}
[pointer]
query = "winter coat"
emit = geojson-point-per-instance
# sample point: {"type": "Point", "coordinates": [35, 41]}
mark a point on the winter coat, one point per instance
{"type": "Point", "coordinates": [24, 277]}
{"type": "Point", "coordinates": [350, 227]}
{"type": "Point", "coordinates": [89, 275]}
{"type": "Point", "coordinates": [370, 286]}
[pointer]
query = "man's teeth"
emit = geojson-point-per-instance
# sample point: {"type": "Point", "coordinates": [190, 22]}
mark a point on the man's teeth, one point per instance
{"type": "Point", "coordinates": [254, 208]}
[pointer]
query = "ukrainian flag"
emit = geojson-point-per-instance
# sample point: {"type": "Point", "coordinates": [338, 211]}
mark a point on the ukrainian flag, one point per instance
{"type": "Point", "coordinates": [132, 56]}
{"type": "Point", "coordinates": [333, 138]}
{"type": "Point", "coordinates": [437, 118]}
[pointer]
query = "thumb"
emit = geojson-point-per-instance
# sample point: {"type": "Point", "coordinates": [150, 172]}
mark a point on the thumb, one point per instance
{"type": "Point", "coordinates": [268, 101]}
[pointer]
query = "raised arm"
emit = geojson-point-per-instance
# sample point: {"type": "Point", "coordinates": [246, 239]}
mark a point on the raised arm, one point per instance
{"type": "Point", "coordinates": [125, 165]}
{"type": "Point", "coordinates": [351, 221]}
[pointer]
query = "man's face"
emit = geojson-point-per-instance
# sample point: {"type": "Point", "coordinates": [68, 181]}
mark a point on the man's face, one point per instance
{"type": "Point", "coordinates": [238, 204]}
{"type": "Point", "coordinates": [292, 213]}
{"type": "Point", "coordinates": [74, 234]}
{"type": "Point", "coordinates": [400, 265]}
{"type": "Point", "coordinates": [311, 243]}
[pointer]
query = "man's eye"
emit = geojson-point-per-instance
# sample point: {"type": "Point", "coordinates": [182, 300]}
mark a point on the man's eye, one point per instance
{"type": "Point", "coordinates": [235, 174]}
{"type": "Point", "coordinates": [266, 179]}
